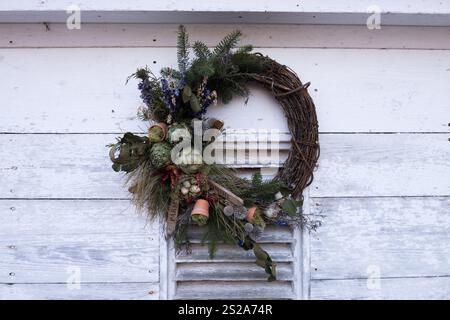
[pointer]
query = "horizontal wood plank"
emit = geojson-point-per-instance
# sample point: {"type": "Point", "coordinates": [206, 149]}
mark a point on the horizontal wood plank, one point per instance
{"type": "Point", "coordinates": [325, 6]}
{"type": "Point", "coordinates": [77, 90]}
{"type": "Point", "coordinates": [42, 240]}
{"type": "Point", "coordinates": [417, 12]}
{"type": "Point", "coordinates": [279, 252]}
{"type": "Point", "coordinates": [272, 234]}
{"type": "Point", "coordinates": [235, 272]}
{"type": "Point", "coordinates": [98, 257]}
{"type": "Point", "coordinates": [228, 290]}
{"type": "Point", "coordinates": [78, 166]}
{"type": "Point", "coordinates": [87, 291]}
{"type": "Point", "coordinates": [382, 165]}
{"type": "Point", "coordinates": [56, 35]}
{"type": "Point", "coordinates": [75, 217]}
{"type": "Point", "coordinates": [395, 237]}
{"type": "Point", "coordinates": [434, 288]}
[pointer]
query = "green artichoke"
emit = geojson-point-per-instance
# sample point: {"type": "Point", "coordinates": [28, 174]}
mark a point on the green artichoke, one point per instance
{"type": "Point", "coordinates": [160, 154]}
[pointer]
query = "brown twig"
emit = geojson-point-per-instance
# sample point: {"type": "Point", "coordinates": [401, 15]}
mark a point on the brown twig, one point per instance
{"type": "Point", "coordinates": [301, 115]}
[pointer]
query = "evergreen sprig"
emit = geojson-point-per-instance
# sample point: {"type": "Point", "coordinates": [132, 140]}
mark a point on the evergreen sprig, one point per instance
{"type": "Point", "coordinates": [182, 49]}
{"type": "Point", "coordinates": [226, 44]}
{"type": "Point", "coordinates": [201, 51]}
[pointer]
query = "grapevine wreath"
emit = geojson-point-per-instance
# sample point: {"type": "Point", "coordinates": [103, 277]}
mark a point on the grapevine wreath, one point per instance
{"type": "Point", "coordinates": [179, 184]}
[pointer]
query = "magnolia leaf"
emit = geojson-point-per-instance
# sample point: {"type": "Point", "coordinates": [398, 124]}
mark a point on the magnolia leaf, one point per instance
{"type": "Point", "coordinates": [187, 93]}
{"type": "Point", "coordinates": [195, 105]}
{"type": "Point", "coordinates": [290, 207]}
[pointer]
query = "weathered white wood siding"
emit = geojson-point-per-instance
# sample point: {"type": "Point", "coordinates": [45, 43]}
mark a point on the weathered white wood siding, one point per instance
{"type": "Point", "coordinates": [382, 185]}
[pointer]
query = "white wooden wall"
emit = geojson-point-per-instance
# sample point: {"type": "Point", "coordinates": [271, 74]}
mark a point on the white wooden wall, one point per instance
{"type": "Point", "coordinates": [382, 185]}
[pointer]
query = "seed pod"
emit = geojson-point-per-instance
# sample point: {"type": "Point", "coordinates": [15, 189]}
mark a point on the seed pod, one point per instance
{"type": "Point", "coordinates": [186, 184]}
{"type": "Point", "coordinates": [228, 211]}
{"type": "Point", "coordinates": [248, 227]}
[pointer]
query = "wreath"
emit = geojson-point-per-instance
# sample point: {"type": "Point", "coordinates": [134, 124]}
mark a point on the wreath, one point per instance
{"type": "Point", "coordinates": [167, 174]}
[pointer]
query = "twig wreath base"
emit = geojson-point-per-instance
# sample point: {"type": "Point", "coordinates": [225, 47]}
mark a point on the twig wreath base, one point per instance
{"type": "Point", "coordinates": [300, 113]}
{"type": "Point", "coordinates": [177, 183]}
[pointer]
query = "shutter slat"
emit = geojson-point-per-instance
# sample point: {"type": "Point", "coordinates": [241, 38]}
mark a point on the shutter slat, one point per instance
{"type": "Point", "coordinates": [230, 290]}
{"type": "Point", "coordinates": [270, 234]}
{"type": "Point", "coordinates": [230, 271]}
{"type": "Point", "coordinates": [278, 251]}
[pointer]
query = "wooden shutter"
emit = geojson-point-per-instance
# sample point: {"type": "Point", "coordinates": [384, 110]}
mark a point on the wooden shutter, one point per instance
{"type": "Point", "coordinates": [233, 274]}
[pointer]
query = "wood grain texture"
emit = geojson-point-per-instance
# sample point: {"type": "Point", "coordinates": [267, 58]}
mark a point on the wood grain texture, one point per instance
{"type": "Point", "coordinates": [100, 257]}
{"type": "Point", "coordinates": [434, 288]}
{"type": "Point", "coordinates": [274, 234]}
{"type": "Point", "coordinates": [234, 272]}
{"type": "Point", "coordinates": [227, 253]}
{"type": "Point", "coordinates": [382, 165]}
{"type": "Point", "coordinates": [43, 240]}
{"type": "Point", "coordinates": [384, 197]}
{"type": "Point", "coordinates": [63, 166]}
{"type": "Point", "coordinates": [344, 6]}
{"type": "Point", "coordinates": [229, 290]}
{"type": "Point", "coordinates": [235, 268]}
{"type": "Point", "coordinates": [277, 36]}
{"type": "Point", "coordinates": [417, 12]}
{"type": "Point", "coordinates": [78, 217]}
{"type": "Point", "coordinates": [399, 237]}
{"type": "Point", "coordinates": [77, 166]}
{"type": "Point", "coordinates": [82, 90]}
{"type": "Point", "coordinates": [87, 291]}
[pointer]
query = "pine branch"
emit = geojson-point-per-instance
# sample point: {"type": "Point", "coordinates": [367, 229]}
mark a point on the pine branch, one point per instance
{"type": "Point", "coordinates": [182, 49]}
{"type": "Point", "coordinates": [201, 50]}
{"type": "Point", "coordinates": [244, 49]}
{"type": "Point", "coordinates": [226, 44]}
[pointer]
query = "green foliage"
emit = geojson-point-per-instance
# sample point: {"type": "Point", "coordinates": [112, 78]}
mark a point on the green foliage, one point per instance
{"type": "Point", "coordinates": [156, 110]}
{"type": "Point", "coordinates": [291, 206]}
{"type": "Point", "coordinates": [186, 94]}
{"type": "Point", "coordinates": [195, 104]}
{"type": "Point", "coordinates": [128, 152]}
{"type": "Point", "coordinates": [261, 191]}
{"type": "Point", "coordinates": [168, 72]}
{"type": "Point", "coordinates": [141, 74]}
{"type": "Point", "coordinates": [160, 154]}
{"type": "Point", "coordinates": [183, 49]}
{"type": "Point", "coordinates": [199, 219]}
{"type": "Point", "coordinates": [221, 228]}
{"type": "Point", "coordinates": [227, 72]}
{"type": "Point", "coordinates": [262, 258]}
{"type": "Point", "coordinates": [227, 43]}
{"type": "Point", "coordinates": [258, 219]}
{"type": "Point", "coordinates": [149, 192]}
{"type": "Point", "coordinates": [201, 51]}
